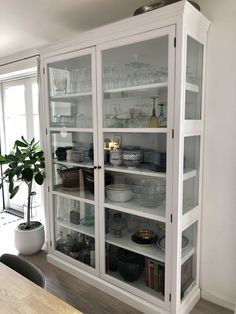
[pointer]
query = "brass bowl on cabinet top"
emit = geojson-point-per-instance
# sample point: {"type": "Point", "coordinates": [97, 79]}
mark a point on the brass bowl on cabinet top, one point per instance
{"type": "Point", "coordinates": [158, 4]}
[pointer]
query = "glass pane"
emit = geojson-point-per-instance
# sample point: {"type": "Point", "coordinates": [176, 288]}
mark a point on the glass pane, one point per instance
{"type": "Point", "coordinates": [191, 173]}
{"type": "Point", "coordinates": [11, 133]}
{"type": "Point", "coordinates": [133, 253]}
{"type": "Point", "coordinates": [189, 259]}
{"type": "Point", "coordinates": [35, 98]}
{"type": "Point", "coordinates": [72, 153]}
{"type": "Point", "coordinates": [74, 229]}
{"type": "Point", "coordinates": [36, 127]}
{"type": "Point", "coordinates": [194, 70]}
{"type": "Point", "coordinates": [135, 171]}
{"type": "Point", "coordinates": [14, 101]}
{"type": "Point", "coordinates": [135, 85]}
{"type": "Point", "coordinates": [70, 87]}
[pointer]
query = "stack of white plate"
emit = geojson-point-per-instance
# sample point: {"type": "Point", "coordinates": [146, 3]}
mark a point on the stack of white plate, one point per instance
{"type": "Point", "coordinates": [78, 155]}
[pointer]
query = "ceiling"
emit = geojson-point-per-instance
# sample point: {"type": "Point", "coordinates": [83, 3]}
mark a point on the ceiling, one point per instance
{"type": "Point", "coordinates": [29, 24]}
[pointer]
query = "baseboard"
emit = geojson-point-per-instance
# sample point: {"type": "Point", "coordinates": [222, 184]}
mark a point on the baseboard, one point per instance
{"type": "Point", "coordinates": [216, 299]}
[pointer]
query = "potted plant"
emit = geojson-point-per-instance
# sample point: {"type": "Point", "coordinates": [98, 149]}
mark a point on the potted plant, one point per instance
{"type": "Point", "coordinates": [26, 164]}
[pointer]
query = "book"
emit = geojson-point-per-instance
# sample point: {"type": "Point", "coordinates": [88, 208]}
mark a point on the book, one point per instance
{"type": "Point", "coordinates": [155, 275]}
{"type": "Point", "coordinates": [146, 270]}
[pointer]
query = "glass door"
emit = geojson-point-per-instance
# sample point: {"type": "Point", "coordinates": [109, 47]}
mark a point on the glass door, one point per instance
{"type": "Point", "coordinates": [135, 123]}
{"type": "Point", "coordinates": [72, 137]}
{"type": "Point", "coordinates": [192, 148]}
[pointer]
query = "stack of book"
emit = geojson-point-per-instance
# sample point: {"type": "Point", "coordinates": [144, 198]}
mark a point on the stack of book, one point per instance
{"type": "Point", "coordinates": [155, 275]}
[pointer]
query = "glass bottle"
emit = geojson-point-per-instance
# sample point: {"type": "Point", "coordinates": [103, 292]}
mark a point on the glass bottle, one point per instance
{"type": "Point", "coordinates": [68, 244]}
{"type": "Point", "coordinates": [60, 242]}
{"type": "Point", "coordinates": [118, 223]}
{"type": "Point", "coordinates": [162, 121]}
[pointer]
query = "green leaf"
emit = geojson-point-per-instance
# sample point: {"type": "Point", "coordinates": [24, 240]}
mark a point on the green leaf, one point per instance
{"type": "Point", "coordinates": [13, 164]}
{"type": "Point", "coordinates": [12, 157]}
{"type": "Point", "coordinates": [27, 174]}
{"type": "Point", "coordinates": [2, 158]}
{"type": "Point", "coordinates": [30, 162]}
{"type": "Point", "coordinates": [32, 142]}
{"type": "Point", "coordinates": [38, 154]}
{"type": "Point", "coordinates": [11, 175]}
{"type": "Point", "coordinates": [23, 139]}
{"type": "Point", "coordinates": [15, 190]}
{"type": "Point", "coordinates": [20, 144]}
{"type": "Point", "coordinates": [11, 186]}
{"type": "Point", "coordinates": [4, 162]}
{"type": "Point", "coordinates": [39, 178]}
{"type": "Point", "coordinates": [6, 172]}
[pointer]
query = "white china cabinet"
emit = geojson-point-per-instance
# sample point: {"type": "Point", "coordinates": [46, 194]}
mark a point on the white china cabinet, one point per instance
{"type": "Point", "coordinates": [123, 111]}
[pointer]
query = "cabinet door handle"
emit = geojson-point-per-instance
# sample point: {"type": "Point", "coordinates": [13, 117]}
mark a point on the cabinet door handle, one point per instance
{"type": "Point", "coordinates": [99, 167]}
{"type": "Point", "coordinates": [95, 167]}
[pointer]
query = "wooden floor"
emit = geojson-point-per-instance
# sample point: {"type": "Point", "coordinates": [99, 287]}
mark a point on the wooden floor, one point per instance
{"type": "Point", "coordinates": [79, 294]}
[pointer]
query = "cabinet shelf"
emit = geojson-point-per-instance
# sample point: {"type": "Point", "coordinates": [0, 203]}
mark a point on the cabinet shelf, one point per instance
{"type": "Point", "coordinates": [125, 242]}
{"type": "Point", "coordinates": [135, 130]}
{"type": "Point", "coordinates": [73, 164]}
{"type": "Point", "coordinates": [69, 97]}
{"type": "Point", "coordinates": [152, 251]}
{"type": "Point", "coordinates": [132, 207]}
{"type": "Point", "coordinates": [192, 87]}
{"type": "Point", "coordinates": [149, 87]}
{"type": "Point", "coordinates": [187, 252]}
{"type": "Point", "coordinates": [83, 196]}
{"type": "Point", "coordinates": [88, 230]}
{"type": "Point", "coordinates": [189, 173]}
{"type": "Point", "coordinates": [138, 88]}
{"type": "Point", "coordinates": [139, 171]}
{"type": "Point", "coordinates": [65, 129]}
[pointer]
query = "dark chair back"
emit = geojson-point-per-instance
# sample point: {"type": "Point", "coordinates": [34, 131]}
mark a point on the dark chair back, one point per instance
{"type": "Point", "coordinates": [25, 268]}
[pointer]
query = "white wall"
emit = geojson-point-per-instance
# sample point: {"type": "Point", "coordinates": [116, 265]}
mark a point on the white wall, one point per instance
{"type": "Point", "coordinates": [218, 261]}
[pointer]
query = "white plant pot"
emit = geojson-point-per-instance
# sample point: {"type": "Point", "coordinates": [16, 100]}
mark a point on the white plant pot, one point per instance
{"type": "Point", "coordinates": [28, 242]}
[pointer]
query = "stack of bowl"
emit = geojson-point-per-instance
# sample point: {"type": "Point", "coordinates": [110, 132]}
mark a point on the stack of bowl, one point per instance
{"type": "Point", "coordinates": [78, 155]}
{"type": "Point", "coordinates": [119, 192]}
{"type": "Point", "coordinates": [156, 160]}
{"type": "Point", "coordinates": [116, 157]}
{"type": "Point", "coordinates": [132, 157]}
{"type": "Point", "coordinates": [149, 193]}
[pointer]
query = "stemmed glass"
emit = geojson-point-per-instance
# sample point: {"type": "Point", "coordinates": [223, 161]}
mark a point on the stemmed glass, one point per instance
{"type": "Point", "coordinates": [154, 119]}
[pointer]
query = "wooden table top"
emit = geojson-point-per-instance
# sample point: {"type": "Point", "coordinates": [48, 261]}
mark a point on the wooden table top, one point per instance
{"type": "Point", "coordinates": [22, 296]}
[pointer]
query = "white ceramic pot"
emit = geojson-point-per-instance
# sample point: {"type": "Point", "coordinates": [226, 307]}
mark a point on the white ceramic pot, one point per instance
{"type": "Point", "coordinates": [28, 242]}
{"type": "Point", "coordinates": [119, 192]}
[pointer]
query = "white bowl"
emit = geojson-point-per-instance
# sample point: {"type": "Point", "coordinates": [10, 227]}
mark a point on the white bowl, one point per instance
{"type": "Point", "coordinates": [116, 162]}
{"type": "Point", "coordinates": [119, 192]}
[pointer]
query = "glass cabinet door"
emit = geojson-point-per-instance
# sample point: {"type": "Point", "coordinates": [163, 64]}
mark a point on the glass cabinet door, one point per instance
{"type": "Point", "coordinates": [73, 155]}
{"type": "Point", "coordinates": [192, 145]}
{"type": "Point", "coordinates": [194, 72]}
{"type": "Point", "coordinates": [191, 173]}
{"type": "Point", "coordinates": [135, 85]}
{"type": "Point", "coordinates": [189, 261]}
{"type": "Point", "coordinates": [134, 121]}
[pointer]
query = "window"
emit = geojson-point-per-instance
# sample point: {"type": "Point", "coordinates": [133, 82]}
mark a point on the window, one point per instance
{"type": "Point", "coordinates": [20, 118]}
